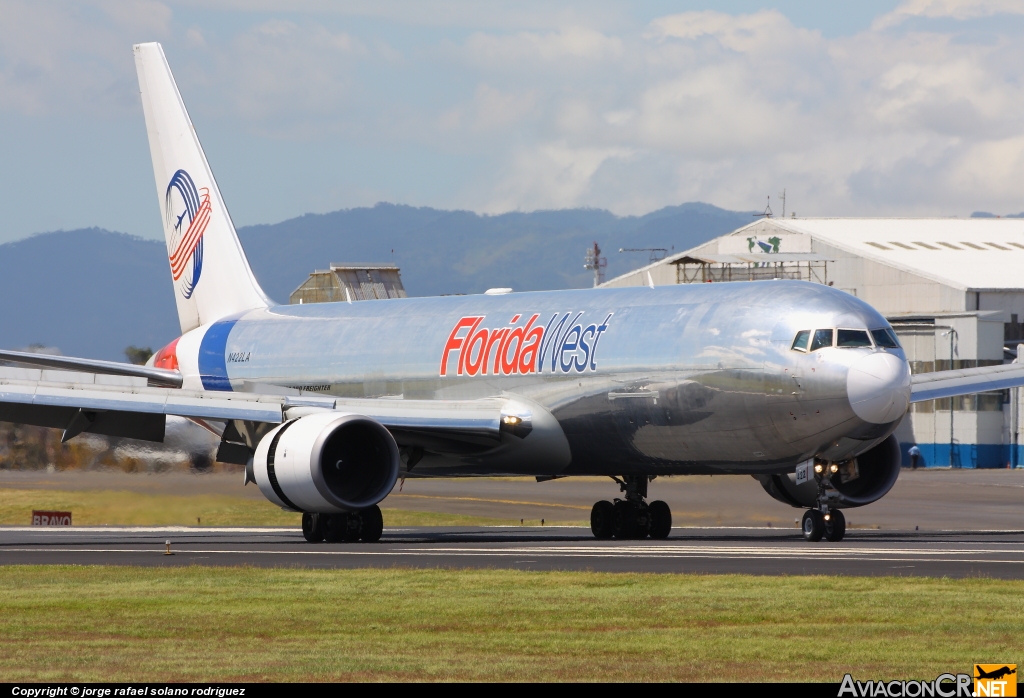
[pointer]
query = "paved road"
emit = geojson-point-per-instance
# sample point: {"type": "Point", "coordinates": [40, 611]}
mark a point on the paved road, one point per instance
{"type": "Point", "coordinates": [933, 500]}
{"type": "Point", "coordinates": [768, 551]}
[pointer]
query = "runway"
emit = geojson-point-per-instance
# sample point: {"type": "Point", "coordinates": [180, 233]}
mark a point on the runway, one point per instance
{"type": "Point", "coordinates": [763, 551]}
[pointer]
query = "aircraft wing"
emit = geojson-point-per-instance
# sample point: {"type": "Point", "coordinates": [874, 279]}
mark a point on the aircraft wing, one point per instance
{"type": "Point", "coordinates": [118, 405]}
{"type": "Point", "coordinates": [965, 381]}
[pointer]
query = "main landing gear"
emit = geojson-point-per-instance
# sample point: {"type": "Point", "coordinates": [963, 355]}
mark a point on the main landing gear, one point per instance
{"type": "Point", "coordinates": [632, 517]}
{"type": "Point", "coordinates": [831, 524]}
{"type": "Point", "coordinates": [366, 525]}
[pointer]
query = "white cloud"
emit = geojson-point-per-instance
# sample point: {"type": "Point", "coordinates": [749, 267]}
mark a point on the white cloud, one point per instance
{"type": "Point", "coordinates": [549, 175]}
{"type": "Point", "coordinates": [729, 108]}
{"type": "Point", "coordinates": [534, 107]}
{"type": "Point", "coordinates": [472, 14]}
{"type": "Point", "coordinates": [954, 9]}
{"type": "Point", "coordinates": [496, 110]}
{"type": "Point", "coordinates": [279, 68]}
{"type": "Point", "coordinates": [61, 56]}
{"type": "Point", "coordinates": [575, 45]}
{"type": "Point", "coordinates": [761, 32]}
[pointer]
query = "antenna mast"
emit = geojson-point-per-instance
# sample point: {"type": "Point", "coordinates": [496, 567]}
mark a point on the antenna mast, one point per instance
{"type": "Point", "coordinates": [657, 253]}
{"type": "Point", "coordinates": [596, 263]}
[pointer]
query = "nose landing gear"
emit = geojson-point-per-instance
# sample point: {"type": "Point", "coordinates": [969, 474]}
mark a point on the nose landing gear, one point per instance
{"type": "Point", "coordinates": [632, 517]}
{"type": "Point", "coordinates": [366, 525]}
{"type": "Point", "coordinates": [824, 520]}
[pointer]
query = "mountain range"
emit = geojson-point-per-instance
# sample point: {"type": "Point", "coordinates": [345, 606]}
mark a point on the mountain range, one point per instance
{"type": "Point", "coordinates": [93, 292]}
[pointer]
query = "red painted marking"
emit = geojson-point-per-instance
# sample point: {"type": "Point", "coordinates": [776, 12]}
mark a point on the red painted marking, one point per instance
{"type": "Point", "coordinates": [167, 357]}
{"type": "Point", "coordinates": [51, 518]}
{"type": "Point", "coordinates": [190, 240]}
{"type": "Point", "coordinates": [455, 343]}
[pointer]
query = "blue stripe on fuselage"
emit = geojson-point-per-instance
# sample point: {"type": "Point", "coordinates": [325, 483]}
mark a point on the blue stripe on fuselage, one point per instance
{"type": "Point", "coordinates": [213, 368]}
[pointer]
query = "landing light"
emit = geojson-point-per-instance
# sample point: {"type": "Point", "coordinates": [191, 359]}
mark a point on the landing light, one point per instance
{"type": "Point", "coordinates": [818, 468]}
{"type": "Point", "coordinates": [833, 468]}
{"type": "Point", "coordinates": [511, 420]}
{"type": "Point", "coordinates": [828, 517]}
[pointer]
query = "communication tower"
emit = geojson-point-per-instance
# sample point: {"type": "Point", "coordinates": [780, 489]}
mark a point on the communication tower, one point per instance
{"type": "Point", "coordinates": [595, 262]}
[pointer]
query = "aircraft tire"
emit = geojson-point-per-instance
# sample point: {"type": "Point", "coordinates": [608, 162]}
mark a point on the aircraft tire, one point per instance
{"type": "Point", "coordinates": [601, 520]}
{"type": "Point", "coordinates": [335, 527]}
{"type": "Point", "coordinates": [624, 521]}
{"type": "Point", "coordinates": [372, 524]}
{"type": "Point", "coordinates": [312, 527]}
{"type": "Point", "coordinates": [813, 525]}
{"type": "Point", "coordinates": [352, 528]}
{"type": "Point", "coordinates": [835, 527]}
{"type": "Point", "coordinates": [661, 519]}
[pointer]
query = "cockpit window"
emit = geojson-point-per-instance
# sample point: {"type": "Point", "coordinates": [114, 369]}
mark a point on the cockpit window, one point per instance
{"type": "Point", "coordinates": [800, 343]}
{"type": "Point", "coordinates": [853, 338]}
{"type": "Point", "coordinates": [822, 338]}
{"type": "Point", "coordinates": [886, 338]}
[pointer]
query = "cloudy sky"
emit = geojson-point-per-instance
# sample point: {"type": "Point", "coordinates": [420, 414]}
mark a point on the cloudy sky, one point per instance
{"type": "Point", "coordinates": [867, 108]}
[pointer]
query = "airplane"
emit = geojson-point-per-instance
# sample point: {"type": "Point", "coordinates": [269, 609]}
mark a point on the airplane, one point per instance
{"type": "Point", "coordinates": [326, 405]}
{"type": "Point", "coordinates": [995, 674]}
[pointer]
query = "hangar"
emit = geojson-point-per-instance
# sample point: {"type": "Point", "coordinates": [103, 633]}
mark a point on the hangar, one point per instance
{"type": "Point", "coordinates": [953, 290]}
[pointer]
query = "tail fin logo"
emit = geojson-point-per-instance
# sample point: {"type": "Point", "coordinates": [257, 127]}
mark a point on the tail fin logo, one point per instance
{"type": "Point", "coordinates": [186, 214]}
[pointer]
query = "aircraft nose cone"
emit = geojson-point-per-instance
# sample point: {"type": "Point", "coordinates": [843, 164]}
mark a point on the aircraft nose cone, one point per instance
{"type": "Point", "coordinates": [878, 387]}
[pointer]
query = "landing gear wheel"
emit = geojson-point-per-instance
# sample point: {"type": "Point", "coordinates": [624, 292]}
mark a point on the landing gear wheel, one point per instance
{"type": "Point", "coordinates": [353, 527]}
{"type": "Point", "coordinates": [835, 527]}
{"type": "Point", "coordinates": [813, 525]}
{"type": "Point", "coordinates": [373, 524]}
{"type": "Point", "coordinates": [624, 520]}
{"type": "Point", "coordinates": [601, 520]}
{"type": "Point", "coordinates": [661, 519]}
{"type": "Point", "coordinates": [312, 527]}
{"type": "Point", "coordinates": [335, 526]}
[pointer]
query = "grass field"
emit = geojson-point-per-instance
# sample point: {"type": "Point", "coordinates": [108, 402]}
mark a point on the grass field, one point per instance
{"type": "Point", "coordinates": [98, 507]}
{"type": "Point", "coordinates": [201, 624]}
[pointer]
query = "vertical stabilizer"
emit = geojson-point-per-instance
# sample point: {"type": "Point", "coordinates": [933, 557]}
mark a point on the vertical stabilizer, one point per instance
{"type": "Point", "coordinates": [211, 275]}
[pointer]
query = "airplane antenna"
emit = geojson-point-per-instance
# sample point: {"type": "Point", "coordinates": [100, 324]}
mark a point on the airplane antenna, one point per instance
{"type": "Point", "coordinates": [657, 253]}
{"type": "Point", "coordinates": [596, 263]}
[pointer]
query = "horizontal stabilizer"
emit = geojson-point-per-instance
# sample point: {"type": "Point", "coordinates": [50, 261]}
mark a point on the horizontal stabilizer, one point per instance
{"type": "Point", "coordinates": [154, 376]}
{"type": "Point", "coordinates": [965, 381]}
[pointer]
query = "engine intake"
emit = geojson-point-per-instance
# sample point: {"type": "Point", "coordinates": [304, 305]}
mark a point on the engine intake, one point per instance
{"type": "Point", "coordinates": [327, 463]}
{"type": "Point", "coordinates": [863, 480]}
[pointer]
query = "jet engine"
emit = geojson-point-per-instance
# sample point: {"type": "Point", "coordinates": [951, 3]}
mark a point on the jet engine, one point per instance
{"type": "Point", "coordinates": [327, 462]}
{"type": "Point", "coordinates": [859, 481]}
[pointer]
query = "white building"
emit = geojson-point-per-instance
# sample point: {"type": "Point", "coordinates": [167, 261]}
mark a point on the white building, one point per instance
{"type": "Point", "coordinates": [952, 288]}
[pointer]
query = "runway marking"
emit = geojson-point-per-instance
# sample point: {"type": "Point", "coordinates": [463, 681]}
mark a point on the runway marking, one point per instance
{"type": "Point", "coordinates": [851, 551]}
{"type": "Point", "coordinates": [874, 555]}
{"type": "Point", "coordinates": [58, 530]}
{"type": "Point", "coordinates": [681, 530]}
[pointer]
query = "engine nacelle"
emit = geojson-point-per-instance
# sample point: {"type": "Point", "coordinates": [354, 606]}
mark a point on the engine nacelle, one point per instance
{"type": "Point", "coordinates": [865, 479]}
{"type": "Point", "coordinates": [327, 462]}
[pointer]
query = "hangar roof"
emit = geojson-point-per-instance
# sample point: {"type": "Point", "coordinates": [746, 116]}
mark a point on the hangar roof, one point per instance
{"type": "Point", "coordinates": [968, 253]}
